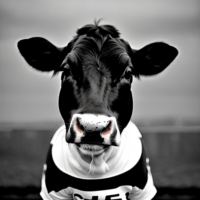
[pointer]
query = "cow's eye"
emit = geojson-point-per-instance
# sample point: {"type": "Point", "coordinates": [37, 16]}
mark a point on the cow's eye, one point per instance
{"type": "Point", "coordinates": [68, 71]}
{"type": "Point", "coordinates": [73, 71]}
{"type": "Point", "coordinates": [128, 73]}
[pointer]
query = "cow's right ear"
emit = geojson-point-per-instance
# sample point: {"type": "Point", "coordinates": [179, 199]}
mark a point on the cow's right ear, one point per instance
{"type": "Point", "coordinates": [153, 58]}
{"type": "Point", "coordinates": [41, 54]}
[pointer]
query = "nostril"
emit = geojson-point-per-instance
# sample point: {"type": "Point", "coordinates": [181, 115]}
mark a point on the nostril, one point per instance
{"type": "Point", "coordinates": [78, 126]}
{"type": "Point", "coordinates": [107, 129]}
{"type": "Point", "coordinates": [93, 129]}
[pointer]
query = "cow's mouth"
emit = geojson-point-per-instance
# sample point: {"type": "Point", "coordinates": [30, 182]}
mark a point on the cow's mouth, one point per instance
{"type": "Point", "coordinates": [92, 149]}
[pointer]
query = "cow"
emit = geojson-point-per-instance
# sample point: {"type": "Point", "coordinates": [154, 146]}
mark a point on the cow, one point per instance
{"type": "Point", "coordinates": [98, 153]}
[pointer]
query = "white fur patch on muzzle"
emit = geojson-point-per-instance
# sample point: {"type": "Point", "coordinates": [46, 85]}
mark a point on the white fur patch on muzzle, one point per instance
{"type": "Point", "coordinates": [93, 130]}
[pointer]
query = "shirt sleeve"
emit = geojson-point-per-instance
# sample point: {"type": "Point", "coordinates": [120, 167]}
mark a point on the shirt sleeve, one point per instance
{"type": "Point", "coordinates": [148, 192]}
{"type": "Point", "coordinates": [66, 194]}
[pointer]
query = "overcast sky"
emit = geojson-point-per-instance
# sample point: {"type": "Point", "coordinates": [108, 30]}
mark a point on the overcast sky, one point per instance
{"type": "Point", "coordinates": [29, 96]}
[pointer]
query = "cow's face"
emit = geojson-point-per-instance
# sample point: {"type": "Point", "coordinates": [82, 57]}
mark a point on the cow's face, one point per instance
{"type": "Point", "coordinates": [95, 98]}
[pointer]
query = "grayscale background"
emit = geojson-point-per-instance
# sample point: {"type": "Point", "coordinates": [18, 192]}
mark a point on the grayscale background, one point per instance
{"type": "Point", "coordinates": [166, 107]}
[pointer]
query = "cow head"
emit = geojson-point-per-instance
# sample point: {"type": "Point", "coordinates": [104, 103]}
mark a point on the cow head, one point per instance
{"type": "Point", "coordinates": [95, 97]}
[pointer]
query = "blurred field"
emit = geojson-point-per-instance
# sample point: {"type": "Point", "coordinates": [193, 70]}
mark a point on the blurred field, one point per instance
{"type": "Point", "coordinates": [174, 156]}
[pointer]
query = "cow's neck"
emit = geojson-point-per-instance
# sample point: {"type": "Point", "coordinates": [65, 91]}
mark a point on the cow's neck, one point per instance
{"type": "Point", "coordinates": [97, 165]}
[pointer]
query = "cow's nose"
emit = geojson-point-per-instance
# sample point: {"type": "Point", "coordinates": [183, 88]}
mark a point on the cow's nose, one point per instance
{"type": "Point", "coordinates": [93, 129]}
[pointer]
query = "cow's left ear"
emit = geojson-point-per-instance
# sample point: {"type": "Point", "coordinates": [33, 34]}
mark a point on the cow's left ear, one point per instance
{"type": "Point", "coordinates": [41, 54]}
{"type": "Point", "coordinates": [153, 58]}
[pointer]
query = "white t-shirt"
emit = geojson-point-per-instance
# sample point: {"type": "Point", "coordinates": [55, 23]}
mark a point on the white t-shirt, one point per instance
{"type": "Point", "coordinates": [129, 176]}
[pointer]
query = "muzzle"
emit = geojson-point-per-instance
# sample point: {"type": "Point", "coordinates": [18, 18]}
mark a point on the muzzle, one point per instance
{"type": "Point", "coordinates": [94, 130]}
